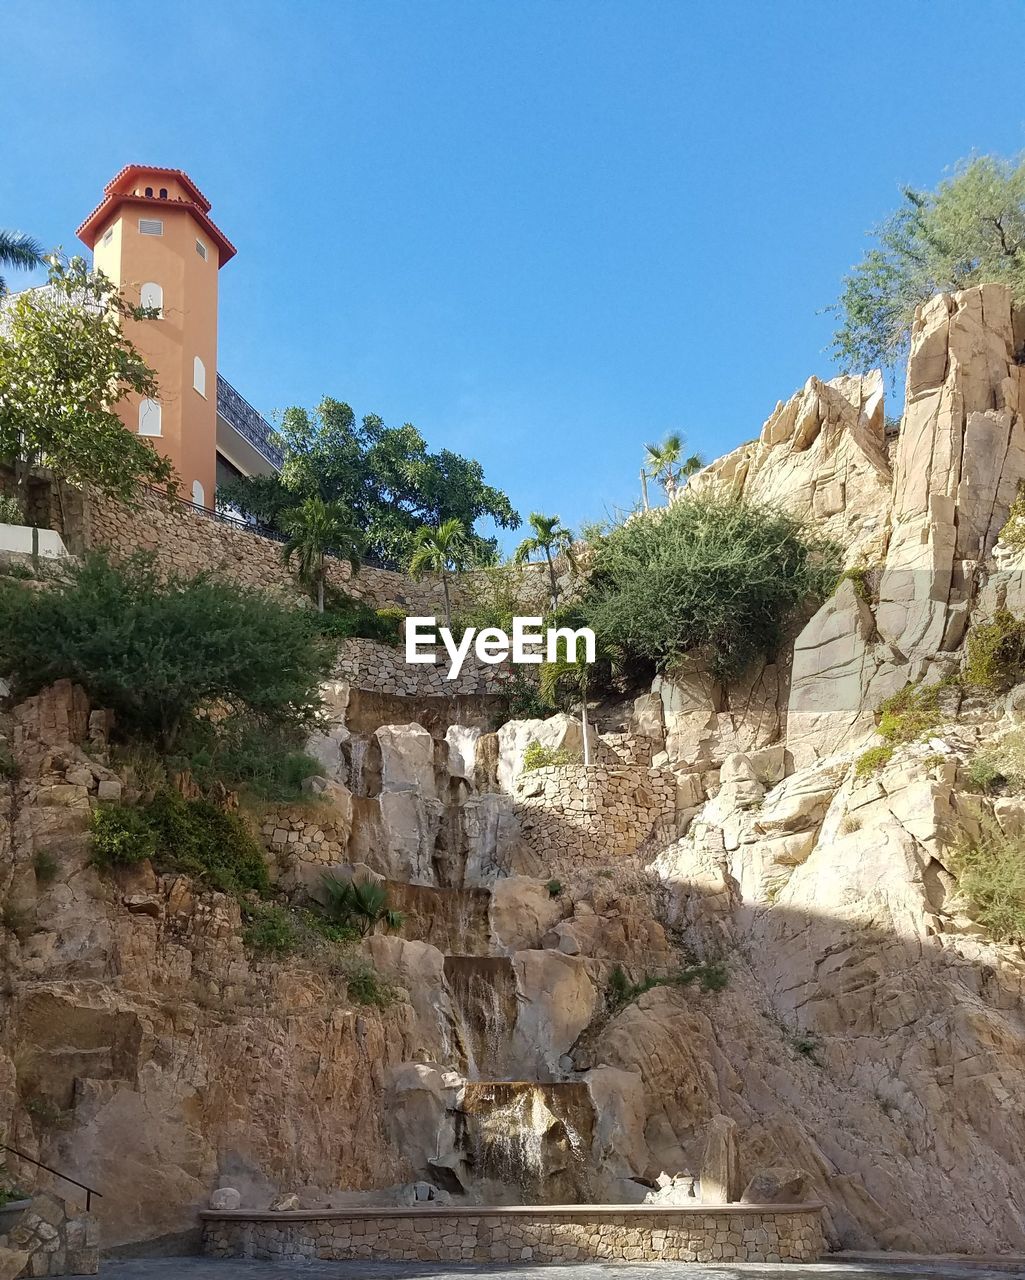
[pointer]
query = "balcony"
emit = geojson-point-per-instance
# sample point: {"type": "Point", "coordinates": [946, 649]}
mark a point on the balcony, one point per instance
{"type": "Point", "coordinates": [253, 427]}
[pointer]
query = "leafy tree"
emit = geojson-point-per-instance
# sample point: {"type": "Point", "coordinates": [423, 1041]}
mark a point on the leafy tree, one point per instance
{"type": "Point", "coordinates": [18, 250]}
{"type": "Point", "coordinates": [161, 653]}
{"type": "Point", "coordinates": [316, 529]}
{"type": "Point", "coordinates": [709, 577]}
{"type": "Point", "coordinates": [359, 904]}
{"type": "Point", "coordinates": [443, 551]}
{"type": "Point", "coordinates": [65, 363]}
{"type": "Point", "coordinates": [551, 539]}
{"type": "Point", "coordinates": [969, 230]}
{"type": "Point", "coordinates": [385, 476]}
{"type": "Point", "coordinates": [666, 464]}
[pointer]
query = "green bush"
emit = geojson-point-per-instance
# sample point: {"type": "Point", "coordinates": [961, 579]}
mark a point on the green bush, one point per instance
{"type": "Point", "coordinates": [245, 754]}
{"type": "Point", "coordinates": [872, 759]}
{"type": "Point", "coordinates": [554, 888]}
{"type": "Point", "coordinates": [120, 836]}
{"type": "Point", "coordinates": [156, 652]}
{"type": "Point", "coordinates": [345, 617]}
{"type": "Point", "coordinates": [538, 757]}
{"type": "Point", "coordinates": [1001, 765]}
{"type": "Point", "coordinates": [710, 577]}
{"type": "Point", "coordinates": [523, 700]}
{"type": "Point", "coordinates": [710, 976]}
{"type": "Point", "coordinates": [359, 905]}
{"type": "Point", "coordinates": [990, 872]}
{"type": "Point", "coordinates": [909, 714]}
{"type": "Point", "coordinates": [270, 929]}
{"type": "Point", "coordinates": [10, 512]}
{"type": "Point", "coordinates": [194, 837]}
{"type": "Point", "coordinates": [996, 652]}
{"type": "Point", "coordinates": [200, 839]}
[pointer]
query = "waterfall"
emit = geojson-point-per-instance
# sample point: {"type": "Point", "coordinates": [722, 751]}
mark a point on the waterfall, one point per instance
{"type": "Point", "coordinates": [357, 754]}
{"type": "Point", "coordinates": [530, 1139]}
{"type": "Point", "coordinates": [483, 995]}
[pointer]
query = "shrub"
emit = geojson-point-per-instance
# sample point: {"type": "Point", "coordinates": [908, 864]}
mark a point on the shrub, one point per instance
{"type": "Point", "coordinates": [872, 759]}
{"type": "Point", "coordinates": [200, 839]}
{"type": "Point", "coordinates": [538, 757]}
{"type": "Point", "coordinates": [345, 617]}
{"type": "Point", "coordinates": [709, 576]}
{"type": "Point", "coordinates": [710, 976]}
{"type": "Point", "coordinates": [554, 888]}
{"type": "Point", "coordinates": [120, 836]}
{"type": "Point", "coordinates": [270, 929]}
{"type": "Point", "coordinates": [1001, 766]}
{"type": "Point", "coordinates": [858, 577]}
{"type": "Point", "coordinates": [364, 984]}
{"type": "Point", "coordinates": [10, 511]}
{"type": "Point", "coordinates": [523, 700]}
{"type": "Point", "coordinates": [909, 714]}
{"type": "Point", "coordinates": [996, 652]}
{"type": "Point", "coordinates": [243, 753]}
{"type": "Point", "coordinates": [990, 871]}
{"type": "Point", "coordinates": [358, 904]}
{"type": "Point", "coordinates": [1013, 532]}
{"type": "Point", "coordinates": [158, 652]}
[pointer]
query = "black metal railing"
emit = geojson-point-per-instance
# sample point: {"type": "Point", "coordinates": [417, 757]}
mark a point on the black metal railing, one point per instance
{"type": "Point", "coordinates": [89, 1191]}
{"type": "Point", "coordinates": [251, 425]}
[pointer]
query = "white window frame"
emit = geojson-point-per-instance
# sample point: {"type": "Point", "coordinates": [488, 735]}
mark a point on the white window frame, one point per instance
{"type": "Point", "coordinates": [201, 249]}
{"type": "Point", "coordinates": [150, 415]}
{"type": "Point", "coordinates": [157, 296]}
{"type": "Point", "coordinates": [108, 235]}
{"type": "Point", "coordinates": [198, 494]}
{"type": "Point", "coordinates": [199, 376]}
{"type": "Point", "coordinates": [151, 226]}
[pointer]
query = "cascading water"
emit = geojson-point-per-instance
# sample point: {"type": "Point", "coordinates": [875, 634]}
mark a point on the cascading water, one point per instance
{"type": "Point", "coordinates": [357, 755]}
{"type": "Point", "coordinates": [529, 1140]}
{"type": "Point", "coordinates": [482, 990]}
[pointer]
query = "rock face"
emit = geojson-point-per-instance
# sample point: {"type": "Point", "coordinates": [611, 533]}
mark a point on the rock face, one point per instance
{"type": "Point", "coordinates": [775, 992]}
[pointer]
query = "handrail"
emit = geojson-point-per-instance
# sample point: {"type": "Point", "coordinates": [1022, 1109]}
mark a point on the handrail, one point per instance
{"type": "Point", "coordinates": [89, 1191]}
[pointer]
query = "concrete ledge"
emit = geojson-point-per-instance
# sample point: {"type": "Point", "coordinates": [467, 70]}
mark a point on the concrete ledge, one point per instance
{"type": "Point", "coordinates": [522, 1233]}
{"type": "Point", "coordinates": [586, 1212]}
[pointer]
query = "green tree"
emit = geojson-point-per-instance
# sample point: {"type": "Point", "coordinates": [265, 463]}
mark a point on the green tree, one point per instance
{"type": "Point", "coordinates": [385, 476]}
{"type": "Point", "coordinates": [359, 904]}
{"type": "Point", "coordinates": [65, 363]}
{"type": "Point", "coordinates": [316, 529]}
{"type": "Point", "coordinates": [443, 551]}
{"type": "Point", "coordinates": [162, 652]}
{"type": "Point", "coordinates": [709, 577]}
{"type": "Point", "coordinates": [969, 230]}
{"type": "Point", "coordinates": [665, 463]}
{"type": "Point", "coordinates": [549, 538]}
{"type": "Point", "coordinates": [18, 250]}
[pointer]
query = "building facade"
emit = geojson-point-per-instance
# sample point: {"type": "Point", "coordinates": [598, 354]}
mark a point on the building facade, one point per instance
{"type": "Point", "coordinates": [153, 236]}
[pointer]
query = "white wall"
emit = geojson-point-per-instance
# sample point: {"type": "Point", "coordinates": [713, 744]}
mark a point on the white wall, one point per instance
{"type": "Point", "coordinates": [18, 537]}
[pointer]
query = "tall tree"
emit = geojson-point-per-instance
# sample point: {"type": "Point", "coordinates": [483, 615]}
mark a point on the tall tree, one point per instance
{"type": "Point", "coordinates": [665, 463]}
{"type": "Point", "coordinates": [968, 231]}
{"type": "Point", "coordinates": [443, 551]}
{"type": "Point", "coordinates": [65, 363]}
{"type": "Point", "coordinates": [317, 529]}
{"type": "Point", "coordinates": [386, 476]}
{"type": "Point", "coordinates": [550, 538]}
{"type": "Point", "coordinates": [18, 250]}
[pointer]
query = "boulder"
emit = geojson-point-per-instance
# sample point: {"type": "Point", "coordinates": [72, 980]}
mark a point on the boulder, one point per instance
{"type": "Point", "coordinates": [12, 1263]}
{"type": "Point", "coordinates": [286, 1203]}
{"type": "Point", "coordinates": [225, 1199]}
{"type": "Point", "coordinates": [777, 1185]}
{"type": "Point", "coordinates": [407, 759]}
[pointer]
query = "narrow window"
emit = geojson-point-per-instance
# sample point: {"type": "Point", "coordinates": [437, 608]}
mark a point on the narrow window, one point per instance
{"type": "Point", "coordinates": [108, 235]}
{"type": "Point", "coordinates": [149, 418]}
{"type": "Point", "coordinates": [201, 249]}
{"type": "Point", "coordinates": [151, 295]}
{"type": "Point", "coordinates": [198, 496]}
{"type": "Point", "coordinates": [163, 193]}
{"type": "Point", "coordinates": [199, 376]}
{"type": "Point", "coordinates": [151, 227]}
{"type": "Point", "coordinates": [149, 191]}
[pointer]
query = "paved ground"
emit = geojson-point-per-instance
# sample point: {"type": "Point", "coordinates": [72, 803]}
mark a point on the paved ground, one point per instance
{"type": "Point", "coordinates": [203, 1269]}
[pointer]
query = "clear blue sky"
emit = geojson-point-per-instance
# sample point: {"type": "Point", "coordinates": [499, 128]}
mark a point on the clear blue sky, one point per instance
{"type": "Point", "coordinates": [543, 230]}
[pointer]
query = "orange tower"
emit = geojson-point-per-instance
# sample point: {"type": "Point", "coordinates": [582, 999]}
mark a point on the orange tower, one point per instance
{"type": "Point", "coordinates": [153, 236]}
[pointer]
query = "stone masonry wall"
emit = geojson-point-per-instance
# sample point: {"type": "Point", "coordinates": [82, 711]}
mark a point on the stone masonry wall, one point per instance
{"type": "Point", "coordinates": [599, 811]}
{"type": "Point", "coordinates": [376, 668]}
{"type": "Point", "coordinates": [54, 1238]}
{"type": "Point", "coordinates": [738, 1234]}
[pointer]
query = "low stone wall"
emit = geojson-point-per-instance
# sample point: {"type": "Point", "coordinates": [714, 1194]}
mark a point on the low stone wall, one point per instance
{"type": "Point", "coordinates": [376, 668]}
{"type": "Point", "coordinates": [57, 1239]}
{"type": "Point", "coordinates": [612, 1233]}
{"type": "Point", "coordinates": [185, 541]}
{"type": "Point", "coordinates": [597, 811]}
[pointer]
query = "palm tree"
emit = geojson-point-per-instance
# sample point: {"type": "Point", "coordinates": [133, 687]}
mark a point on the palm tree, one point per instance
{"type": "Point", "coordinates": [17, 250]}
{"type": "Point", "coordinates": [316, 529]}
{"type": "Point", "coordinates": [549, 536]}
{"type": "Point", "coordinates": [443, 551]}
{"type": "Point", "coordinates": [561, 680]}
{"type": "Point", "coordinates": [359, 904]}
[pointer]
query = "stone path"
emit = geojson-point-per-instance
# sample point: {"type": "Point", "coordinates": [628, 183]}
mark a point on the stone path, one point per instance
{"type": "Point", "coordinates": [208, 1269]}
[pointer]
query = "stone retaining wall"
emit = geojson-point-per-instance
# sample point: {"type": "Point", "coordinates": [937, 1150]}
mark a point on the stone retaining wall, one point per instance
{"type": "Point", "coordinates": [600, 811]}
{"type": "Point", "coordinates": [739, 1233]}
{"type": "Point", "coordinates": [55, 1238]}
{"type": "Point", "coordinates": [377, 668]}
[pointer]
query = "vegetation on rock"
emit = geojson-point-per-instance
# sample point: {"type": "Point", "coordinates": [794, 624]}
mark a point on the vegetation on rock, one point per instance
{"type": "Point", "coordinates": [162, 652]}
{"type": "Point", "coordinates": [995, 652]}
{"type": "Point", "coordinates": [709, 577]}
{"type": "Point", "coordinates": [537, 756]}
{"type": "Point", "coordinates": [970, 230]}
{"type": "Point", "coordinates": [361, 905]}
{"type": "Point", "coordinates": [909, 714]}
{"type": "Point", "coordinates": [990, 870]}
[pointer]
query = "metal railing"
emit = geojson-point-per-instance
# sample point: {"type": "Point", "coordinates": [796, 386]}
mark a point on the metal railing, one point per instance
{"type": "Point", "coordinates": [89, 1191]}
{"type": "Point", "coordinates": [250, 424]}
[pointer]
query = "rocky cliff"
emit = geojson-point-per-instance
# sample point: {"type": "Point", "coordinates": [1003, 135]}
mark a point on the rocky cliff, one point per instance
{"type": "Point", "coordinates": [870, 1033]}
